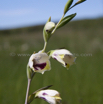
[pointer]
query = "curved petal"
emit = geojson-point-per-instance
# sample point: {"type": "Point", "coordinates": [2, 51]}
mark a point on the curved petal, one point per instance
{"type": "Point", "coordinates": [51, 96]}
{"type": "Point", "coordinates": [69, 59]}
{"type": "Point", "coordinates": [50, 100]}
{"type": "Point", "coordinates": [58, 58]}
{"type": "Point", "coordinates": [39, 62]}
{"type": "Point", "coordinates": [63, 56]}
{"type": "Point", "coordinates": [62, 51]}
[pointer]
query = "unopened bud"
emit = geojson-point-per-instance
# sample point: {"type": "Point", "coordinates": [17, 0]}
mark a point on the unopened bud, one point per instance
{"type": "Point", "coordinates": [68, 4]}
{"type": "Point", "coordinates": [49, 26]}
{"type": "Point", "coordinates": [80, 1]}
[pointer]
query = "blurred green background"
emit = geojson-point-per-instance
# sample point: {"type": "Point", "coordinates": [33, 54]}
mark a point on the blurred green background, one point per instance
{"type": "Point", "coordinates": [81, 84]}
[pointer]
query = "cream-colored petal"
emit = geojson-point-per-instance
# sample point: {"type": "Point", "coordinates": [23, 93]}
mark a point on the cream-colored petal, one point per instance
{"type": "Point", "coordinates": [49, 92]}
{"type": "Point", "coordinates": [50, 100]}
{"type": "Point", "coordinates": [62, 51]}
{"type": "Point", "coordinates": [58, 58]}
{"type": "Point", "coordinates": [69, 59]}
{"type": "Point", "coordinates": [38, 61]}
{"type": "Point", "coordinates": [41, 57]}
{"type": "Point", "coordinates": [64, 56]}
{"type": "Point", "coordinates": [30, 63]}
{"type": "Point", "coordinates": [51, 96]}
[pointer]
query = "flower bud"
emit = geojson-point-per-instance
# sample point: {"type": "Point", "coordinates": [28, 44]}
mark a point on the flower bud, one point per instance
{"type": "Point", "coordinates": [68, 4]}
{"type": "Point", "coordinates": [78, 2]}
{"type": "Point", "coordinates": [49, 26]}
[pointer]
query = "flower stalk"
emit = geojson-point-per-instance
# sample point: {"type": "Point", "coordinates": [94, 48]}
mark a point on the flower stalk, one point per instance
{"type": "Point", "coordinates": [27, 92]}
{"type": "Point", "coordinates": [45, 45]}
{"type": "Point", "coordinates": [57, 24]}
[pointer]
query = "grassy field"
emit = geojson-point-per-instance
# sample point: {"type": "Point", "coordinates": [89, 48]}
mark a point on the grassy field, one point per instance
{"type": "Point", "coordinates": [81, 84]}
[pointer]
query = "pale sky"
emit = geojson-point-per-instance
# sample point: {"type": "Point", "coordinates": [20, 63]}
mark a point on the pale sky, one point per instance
{"type": "Point", "coordinates": [21, 13]}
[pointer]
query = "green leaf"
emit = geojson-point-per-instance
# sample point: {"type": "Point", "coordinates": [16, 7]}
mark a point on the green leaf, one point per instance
{"type": "Point", "coordinates": [66, 19]}
{"type": "Point", "coordinates": [31, 98]}
{"type": "Point", "coordinates": [49, 19]}
{"type": "Point", "coordinates": [68, 4]}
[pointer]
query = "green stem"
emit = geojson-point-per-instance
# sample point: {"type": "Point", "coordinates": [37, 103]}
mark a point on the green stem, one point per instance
{"type": "Point", "coordinates": [27, 93]}
{"type": "Point", "coordinates": [45, 44]}
{"type": "Point", "coordinates": [57, 24]}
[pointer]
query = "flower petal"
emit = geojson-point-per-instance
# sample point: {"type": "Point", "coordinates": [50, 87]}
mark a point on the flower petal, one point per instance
{"type": "Point", "coordinates": [39, 62]}
{"type": "Point", "coordinates": [46, 68]}
{"type": "Point", "coordinates": [50, 100]}
{"type": "Point", "coordinates": [51, 96]}
{"type": "Point", "coordinates": [69, 59]}
{"type": "Point", "coordinates": [58, 58]}
{"type": "Point", "coordinates": [64, 56]}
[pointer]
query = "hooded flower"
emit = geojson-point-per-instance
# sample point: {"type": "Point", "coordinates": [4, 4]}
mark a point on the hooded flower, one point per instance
{"type": "Point", "coordinates": [39, 62]}
{"type": "Point", "coordinates": [51, 96]}
{"type": "Point", "coordinates": [63, 56]}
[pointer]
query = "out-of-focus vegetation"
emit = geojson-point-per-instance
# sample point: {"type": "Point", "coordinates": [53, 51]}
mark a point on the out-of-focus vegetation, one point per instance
{"type": "Point", "coordinates": [81, 84]}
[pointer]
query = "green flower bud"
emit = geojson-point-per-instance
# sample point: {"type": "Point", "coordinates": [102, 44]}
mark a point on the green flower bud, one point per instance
{"type": "Point", "coordinates": [68, 4]}
{"type": "Point", "coordinates": [80, 1]}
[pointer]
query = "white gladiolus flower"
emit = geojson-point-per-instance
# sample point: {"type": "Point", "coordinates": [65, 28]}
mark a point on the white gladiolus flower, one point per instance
{"type": "Point", "coordinates": [50, 26]}
{"type": "Point", "coordinates": [39, 62]}
{"type": "Point", "coordinates": [63, 56]}
{"type": "Point", "coordinates": [51, 96]}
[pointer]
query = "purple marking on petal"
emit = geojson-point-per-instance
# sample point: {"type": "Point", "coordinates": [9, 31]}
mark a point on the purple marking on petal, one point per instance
{"type": "Point", "coordinates": [36, 68]}
{"type": "Point", "coordinates": [44, 93]}
{"type": "Point", "coordinates": [41, 66]}
{"type": "Point", "coordinates": [43, 98]}
{"type": "Point", "coordinates": [55, 58]}
{"type": "Point", "coordinates": [55, 54]}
